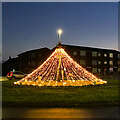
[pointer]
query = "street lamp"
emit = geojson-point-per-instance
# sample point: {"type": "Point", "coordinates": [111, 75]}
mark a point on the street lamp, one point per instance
{"type": "Point", "coordinates": [59, 35]}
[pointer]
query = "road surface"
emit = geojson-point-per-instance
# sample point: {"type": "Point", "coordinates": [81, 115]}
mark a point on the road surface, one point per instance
{"type": "Point", "coordinates": [83, 112]}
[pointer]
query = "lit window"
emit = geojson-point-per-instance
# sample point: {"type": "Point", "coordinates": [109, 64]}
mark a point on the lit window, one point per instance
{"type": "Point", "coordinates": [105, 62]}
{"type": "Point", "coordinates": [111, 55]}
{"type": "Point", "coordinates": [111, 69]}
{"type": "Point", "coordinates": [82, 62]}
{"type": "Point", "coordinates": [99, 54]}
{"type": "Point", "coordinates": [94, 54]}
{"type": "Point", "coordinates": [118, 55]}
{"type": "Point", "coordinates": [74, 53]}
{"type": "Point", "coordinates": [94, 70]}
{"type": "Point", "coordinates": [119, 69]}
{"type": "Point", "coordinates": [111, 62]}
{"type": "Point", "coordinates": [82, 53]}
{"type": "Point", "coordinates": [99, 62]}
{"type": "Point", "coordinates": [94, 62]}
{"type": "Point", "coordinates": [99, 70]}
{"type": "Point", "coordinates": [105, 55]}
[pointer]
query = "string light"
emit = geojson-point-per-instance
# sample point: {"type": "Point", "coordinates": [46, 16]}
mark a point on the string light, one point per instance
{"type": "Point", "coordinates": [60, 70]}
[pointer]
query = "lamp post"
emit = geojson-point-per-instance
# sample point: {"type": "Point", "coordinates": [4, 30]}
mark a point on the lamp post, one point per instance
{"type": "Point", "coordinates": [59, 35]}
{"type": "Point", "coordinates": [59, 44]}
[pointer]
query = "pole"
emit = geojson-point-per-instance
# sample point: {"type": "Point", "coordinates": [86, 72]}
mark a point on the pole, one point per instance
{"type": "Point", "coordinates": [59, 37]}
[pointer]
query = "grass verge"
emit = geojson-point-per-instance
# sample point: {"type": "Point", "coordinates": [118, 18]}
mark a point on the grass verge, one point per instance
{"type": "Point", "coordinates": [14, 95]}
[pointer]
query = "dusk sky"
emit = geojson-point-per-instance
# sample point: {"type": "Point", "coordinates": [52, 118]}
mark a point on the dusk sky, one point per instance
{"type": "Point", "coordinates": [28, 26]}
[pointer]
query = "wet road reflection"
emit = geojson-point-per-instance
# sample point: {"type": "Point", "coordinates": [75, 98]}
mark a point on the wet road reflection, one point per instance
{"type": "Point", "coordinates": [91, 112]}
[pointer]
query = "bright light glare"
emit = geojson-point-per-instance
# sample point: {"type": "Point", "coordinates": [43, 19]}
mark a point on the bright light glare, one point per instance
{"type": "Point", "coordinates": [59, 31]}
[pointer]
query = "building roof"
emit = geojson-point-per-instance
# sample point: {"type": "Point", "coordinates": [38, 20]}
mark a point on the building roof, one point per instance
{"type": "Point", "coordinates": [11, 60]}
{"type": "Point", "coordinates": [45, 48]}
{"type": "Point", "coordinates": [88, 48]}
{"type": "Point", "coordinates": [73, 47]}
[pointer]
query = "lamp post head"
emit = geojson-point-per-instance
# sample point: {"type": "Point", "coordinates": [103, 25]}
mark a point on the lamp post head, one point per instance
{"type": "Point", "coordinates": [59, 31]}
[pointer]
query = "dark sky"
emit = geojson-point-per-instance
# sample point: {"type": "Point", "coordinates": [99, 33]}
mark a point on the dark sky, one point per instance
{"type": "Point", "coordinates": [28, 26]}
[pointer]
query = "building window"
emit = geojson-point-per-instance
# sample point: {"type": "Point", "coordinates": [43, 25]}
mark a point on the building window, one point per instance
{"type": "Point", "coordinates": [94, 54]}
{"type": "Point", "coordinates": [94, 62]}
{"type": "Point", "coordinates": [105, 69]}
{"type": "Point", "coordinates": [118, 55]}
{"type": "Point", "coordinates": [82, 53]}
{"type": "Point", "coordinates": [99, 70]}
{"type": "Point", "coordinates": [74, 53]}
{"type": "Point", "coordinates": [99, 54]}
{"type": "Point", "coordinates": [105, 55]}
{"type": "Point", "coordinates": [82, 62]}
{"type": "Point", "coordinates": [105, 62]}
{"type": "Point", "coordinates": [118, 69]}
{"type": "Point", "coordinates": [94, 70]}
{"type": "Point", "coordinates": [33, 63]}
{"type": "Point", "coordinates": [111, 55]}
{"type": "Point", "coordinates": [118, 62]}
{"type": "Point", "coordinates": [111, 69]}
{"type": "Point", "coordinates": [99, 62]}
{"type": "Point", "coordinates": [111, 62]}
{"type": "Point", "coordinates": [32, 55]}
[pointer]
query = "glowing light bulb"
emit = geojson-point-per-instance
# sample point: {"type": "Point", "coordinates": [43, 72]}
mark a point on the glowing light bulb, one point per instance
{"type": "Point", "coordinates": [15, 83]}
{"type": "Point", "coordinates": [59, 31]}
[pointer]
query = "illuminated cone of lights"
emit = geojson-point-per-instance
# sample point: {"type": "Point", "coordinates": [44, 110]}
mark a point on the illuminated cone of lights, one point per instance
{"type": "Point", "coordinates": [60, 70]}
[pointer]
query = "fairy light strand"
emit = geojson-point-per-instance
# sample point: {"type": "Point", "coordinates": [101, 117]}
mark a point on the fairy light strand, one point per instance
{"type": "Point", "coordinates": [60, 70]}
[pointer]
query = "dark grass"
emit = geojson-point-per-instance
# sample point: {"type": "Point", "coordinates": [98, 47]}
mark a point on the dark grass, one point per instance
{"type": "Point", "coordinates": [14, 95]}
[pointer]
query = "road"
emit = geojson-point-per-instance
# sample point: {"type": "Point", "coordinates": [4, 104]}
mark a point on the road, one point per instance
{"type": "Point", "coordinates": [83, 112]}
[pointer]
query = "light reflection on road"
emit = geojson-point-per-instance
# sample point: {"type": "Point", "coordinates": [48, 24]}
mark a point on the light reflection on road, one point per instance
{"type": "Point", "coordinates": [3, 78]}
{"type": "Point", "coordinates": [94, 112]}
